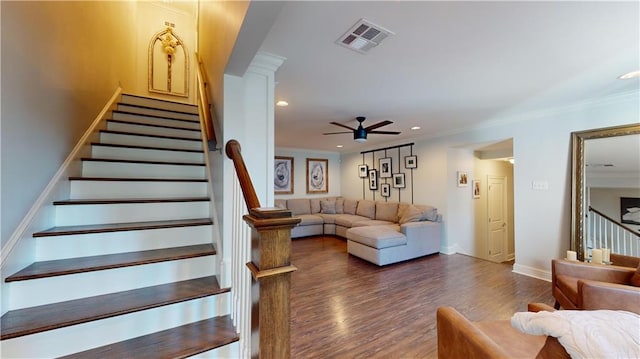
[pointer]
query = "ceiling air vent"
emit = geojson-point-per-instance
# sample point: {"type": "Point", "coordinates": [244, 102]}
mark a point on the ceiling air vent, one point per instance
{"type": "Point", "coordinates": [363, 36]}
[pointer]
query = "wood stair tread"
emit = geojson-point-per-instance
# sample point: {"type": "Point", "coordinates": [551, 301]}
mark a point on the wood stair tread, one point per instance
{"type": "Point", "coordinates": [141, 179]}
{"type": "Point", "coordinates": [196, 119]}
{"type": "Point", "coordinates": [120, 227]}
{"type": "Point", "coordinates": [94, 159]}
{"type": "Point", "coordinates": [145, 147]}
{"type": "Point", "coordinates": [179, 342]}
{"type": "Point", "coordinates": [41, 318]}
{"type": "Point", "coordinates": [109, 261]}
{"type": "Point", "coordinates": [129, 200]}
{"type": "Point", "coordinates": [150, 135]}
{"type": "Point", "coordinates": [153, 124]}
{"type": "Point", "coordinates": [195, 107]}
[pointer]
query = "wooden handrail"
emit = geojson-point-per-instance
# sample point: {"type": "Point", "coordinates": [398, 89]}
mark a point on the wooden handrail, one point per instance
{"type": "Point", "coordinates": [203, 100]}
{"type": "Point", "coordinates": [629, 229]}
{"type": "Point", "coordinates": [232, 149]}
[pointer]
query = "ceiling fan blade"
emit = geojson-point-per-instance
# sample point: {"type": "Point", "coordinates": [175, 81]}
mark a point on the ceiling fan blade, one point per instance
{"type": "Point", "coordinates": [377, 125]}
{"type": "Point", "coordinates": [341, 125]}
{"type": "Point", "coordinates": [336, 133]}
{"type": "Point", "coordinates": [385, 132]}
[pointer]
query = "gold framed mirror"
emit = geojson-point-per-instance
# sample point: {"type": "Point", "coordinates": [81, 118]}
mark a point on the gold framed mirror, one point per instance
{"type": "Point", "coordinates": [579, 205]}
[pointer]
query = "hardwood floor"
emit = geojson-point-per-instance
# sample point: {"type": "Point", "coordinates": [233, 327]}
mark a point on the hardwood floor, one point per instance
{"type": "Point", "coordinates": [345, 307]}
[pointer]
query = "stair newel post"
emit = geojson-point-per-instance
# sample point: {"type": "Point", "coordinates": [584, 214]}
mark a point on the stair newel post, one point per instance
{"type": "Point", "coordinates": [270, 268]}
{"type": "Point", "coordinates": [271, 271]}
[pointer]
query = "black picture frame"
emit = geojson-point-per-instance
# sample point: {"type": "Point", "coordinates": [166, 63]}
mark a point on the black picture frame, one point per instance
{"type": "Point", "coordinates": [385, 190]}
{"type": "Point", "coordinates": [398, 180]}
{"type": "Point", "coordinates": [630, 210]}
{"type": "Point", "coordinates": [411, 162]}
{"type": "Point", "coordinates": [385, 167]}
{"type": "Point", "coordinates": [363, 171]}
{"type": "Point", "coordinates": [373, 180]}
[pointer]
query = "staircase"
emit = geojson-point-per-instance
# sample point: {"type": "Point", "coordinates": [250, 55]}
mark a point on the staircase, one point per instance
{"type": "Point", "coordinates": [130, 268]}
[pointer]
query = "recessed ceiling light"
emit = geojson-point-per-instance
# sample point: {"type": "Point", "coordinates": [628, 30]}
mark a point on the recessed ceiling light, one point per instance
{"type": "Point", "coordinates": [630, 75]}
{"type": "Point", "coordinates": [415, 128]}
{"type": "Point", "coordinates": [282, 103]}
{"type": "Point", "coordinates": [339, 146]}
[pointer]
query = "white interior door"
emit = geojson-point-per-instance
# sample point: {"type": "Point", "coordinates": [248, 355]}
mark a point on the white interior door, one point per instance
{"type": "Point", "coordinates": [497, 212]}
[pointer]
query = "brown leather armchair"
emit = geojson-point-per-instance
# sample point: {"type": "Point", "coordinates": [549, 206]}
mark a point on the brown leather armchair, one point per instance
{"type": "Point", "coordinates": [577, 285]}
{"type": "Point", "coordinates": [460, 338]}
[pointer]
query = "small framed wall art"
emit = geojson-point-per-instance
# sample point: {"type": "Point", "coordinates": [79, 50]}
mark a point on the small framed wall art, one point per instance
{"type": "Point", "coordinates": [373, 180]}
{"type": "Point", "coordinates": [363, 171]}
{"type": "Point", "coordinates": [475, 184]}
{"type": "Point", "coordinates": [385, 167]}
{"type": "Point", "coordinates": [398, 180]}
{"type": "Point", "coordinates": [317, 175]}
{"type": "Point", "coordinates": [410, 162]}
{"type": "Point", "coordinates": [463, 179]}
{"type": "Point", "coordinates": [385, 190]}
{"type": "Point", "coordinates": [283, 175]}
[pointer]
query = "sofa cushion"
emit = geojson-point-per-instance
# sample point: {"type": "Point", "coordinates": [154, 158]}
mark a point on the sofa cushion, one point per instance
{"type": "Point", "coordinates": [280, 203]}
{"type": "Point", "coordinates": [309, 219]}
{"type": "Point", "coordinates": [339, 206]}
{"type": "Point", "coordinates": [350, 206]}
{"type": "Point", "coordinates": [328, 218]}
{"type": "Point", "coordinates": [366, 208]}
{"type": "Point", "coordinates": [387, 211]}
{"type": "Point", "coordinates": [347, 220]}
{"type": "Point", "coordinates": [315, 205]}
{"type": "Point", "coordinates": [328, 206]}
{"type": "Point", "coordinates": [377, 237]}
{"type": "Point", "coordinates": [417, 213]}
{"type": "Point", "coordinates": [299, 206]}
{"type": "Point", "coordinates": [371, 222]}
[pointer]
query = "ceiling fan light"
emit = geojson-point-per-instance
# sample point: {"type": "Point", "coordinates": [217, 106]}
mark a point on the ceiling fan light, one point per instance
{"type": "Point", "coordinates": [360, 140]}
{"type": "Point", "coordinates": [360, 135]}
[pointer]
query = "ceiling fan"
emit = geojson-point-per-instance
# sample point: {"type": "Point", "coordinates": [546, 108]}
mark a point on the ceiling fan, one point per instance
{"type": "Point", "coordinates": [360, 133]}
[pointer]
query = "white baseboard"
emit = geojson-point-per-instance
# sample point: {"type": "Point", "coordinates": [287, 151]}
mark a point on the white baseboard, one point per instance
{"type": "Point", "coordinates": [449, 250]}
{"type": "Point", "coordinates": [532, 272]}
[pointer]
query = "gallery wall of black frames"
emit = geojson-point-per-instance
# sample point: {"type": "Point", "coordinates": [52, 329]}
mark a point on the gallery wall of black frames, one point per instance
{"type": "Point", "coordinates": [387, 173]}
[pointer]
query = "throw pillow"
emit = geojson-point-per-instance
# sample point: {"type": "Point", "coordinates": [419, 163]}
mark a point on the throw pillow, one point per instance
{"type": "Point", "coordinates": [350, 206]}
{"type": "Point", "coordinates": [412, 214]}
{"type": "Point", "coordinates": [328, 207]}
{"type": "Point", "coordinates": [315, 205]}
{"type": "Point", "coordinates": [635, 279]}
{"type": "Point", "coordinates": [340, 206]}
{"type": "Point", "coordinates": [280, 203]}
{"type": "Point", "coordinates": [367, 209]}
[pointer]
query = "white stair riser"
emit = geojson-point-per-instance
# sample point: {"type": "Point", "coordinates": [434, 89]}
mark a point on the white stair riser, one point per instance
{"type": "Point", "coordinates": [136, 154]}
{"type": "Point", "coordinates": [86, 214]}
{"type": "Point", "coordinates": [148, 102]}
{"type": "Point", "coordinates": [152, 130]}
{"type": "Point", "coordinates": [93, 244]}
{"type": "Point", "coordinates": [85, 336]}
{"type": "Point", "coordinates": [133, 140]}
{"type": "Point", "coordinates": [56, 289]}
{"type": "Point", "coordinates": [137, 114]}
{"type": "Point", "coordinates": [231, 350]}
{"type": "Point", "coordinates": [126, 189]}
{"type": "Point", "coordinates": [140, 170]}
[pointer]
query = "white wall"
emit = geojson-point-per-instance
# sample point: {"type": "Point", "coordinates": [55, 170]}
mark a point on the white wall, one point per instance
{"type": "Point", "coordinates": [300, 172]}
{"type": "Point", "coordinates": [542, 151]}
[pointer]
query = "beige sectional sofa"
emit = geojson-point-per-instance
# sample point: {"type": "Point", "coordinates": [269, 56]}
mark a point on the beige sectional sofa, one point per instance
{"type": "Point", "coordinates": [378, 231]}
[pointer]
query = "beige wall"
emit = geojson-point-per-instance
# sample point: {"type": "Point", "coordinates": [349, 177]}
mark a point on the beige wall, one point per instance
{"type": "Point", "coordinates": [61, 62]}
{"type": "Point", "coordinates": [218, 27]}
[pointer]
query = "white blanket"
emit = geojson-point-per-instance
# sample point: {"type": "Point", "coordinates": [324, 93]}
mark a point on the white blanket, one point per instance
{"type": "Point", "coordinates": [586, 334]}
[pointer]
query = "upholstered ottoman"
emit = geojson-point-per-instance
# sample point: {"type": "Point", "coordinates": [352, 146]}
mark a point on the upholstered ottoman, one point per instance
{"type": "Point", "coordinates": [377, 244]}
